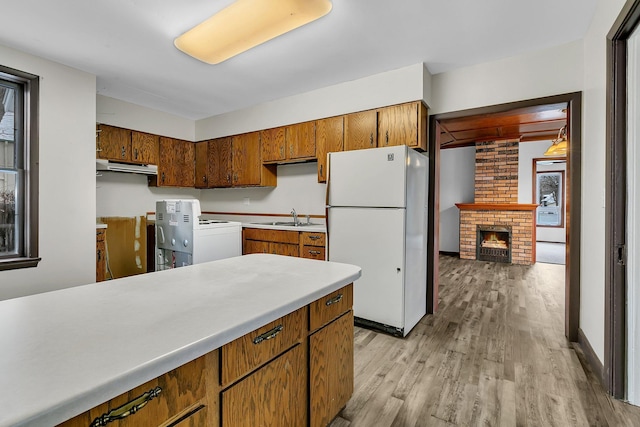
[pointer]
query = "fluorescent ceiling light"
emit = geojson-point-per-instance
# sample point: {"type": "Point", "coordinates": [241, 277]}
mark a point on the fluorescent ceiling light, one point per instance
{"type": "Point", "coordinates": [245, 24]}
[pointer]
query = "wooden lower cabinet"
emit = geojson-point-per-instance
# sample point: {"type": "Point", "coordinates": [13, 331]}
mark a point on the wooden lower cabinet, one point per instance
{"type": "Point", "coordinates": [295, 371]}
{"type": "Point", "coordinates": [330, 370]}
{"type": "Point", "coordinates": [101, 255]}
{"type": "Point", "coordinates": [274, 395]}
{"type": "Point", "coordinates": [283, 242]}
{"type": "Point", "coordinates": [185, 396]}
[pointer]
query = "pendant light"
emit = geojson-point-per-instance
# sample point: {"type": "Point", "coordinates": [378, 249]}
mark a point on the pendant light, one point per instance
{"type": "Point", "coordinates": [245, 24]}
{"type": "Point", "coordinates": [559, 145]}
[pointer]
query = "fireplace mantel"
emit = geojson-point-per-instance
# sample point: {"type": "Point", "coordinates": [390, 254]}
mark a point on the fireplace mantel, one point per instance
{"type": "Point", "coordinates": [496, 207]}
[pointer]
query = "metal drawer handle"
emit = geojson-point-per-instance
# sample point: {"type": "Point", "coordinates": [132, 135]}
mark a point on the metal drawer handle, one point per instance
{"type": "Point", "coordinates": [127, 409]}
{"type": "Point", "coordinates": [314, 252]}
{"type": "Point", "coordinates": [315, 237]}
{"type": "Point", "coordinates": [333, 300]}
{"type": "Point", "coordinates": [268, 335]}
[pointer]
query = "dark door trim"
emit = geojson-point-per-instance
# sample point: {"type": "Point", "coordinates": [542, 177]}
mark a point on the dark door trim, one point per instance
{"type": "Point", "coordinates": [574, 197]}
{"type": "Point", "coordinates": [615, 328]}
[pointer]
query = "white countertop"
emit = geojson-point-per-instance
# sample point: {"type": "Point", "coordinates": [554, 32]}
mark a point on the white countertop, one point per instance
{"type": "Point", "coordinates": [66, 351]}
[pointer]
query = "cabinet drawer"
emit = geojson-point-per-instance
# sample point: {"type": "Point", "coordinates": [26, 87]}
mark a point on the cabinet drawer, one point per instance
{"type": "Point", "coordinates": [324, 310]}
{"type": "Point", "coordinates": [252, 350]}
{"type": "Point", "coordinates": [171, 397]}
{"type": "Point", "coordinates": [313, 252]}
{"type": "Point", "coordinates": [279, 236]}
{"type": "Point", "coordinates": [274, 395]}
{"type": "Point", "coordinates": [313, 239]}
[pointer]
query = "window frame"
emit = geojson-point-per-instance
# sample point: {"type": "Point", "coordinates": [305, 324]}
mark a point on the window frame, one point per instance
{"type": "Point", "coordinates": [28, 134]}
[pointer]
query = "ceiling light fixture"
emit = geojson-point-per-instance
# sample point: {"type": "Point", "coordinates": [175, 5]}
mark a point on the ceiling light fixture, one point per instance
{"type": "Point", "coordinates": [559, 145]}
{"type": "Point", "coordinates": [245, 24]}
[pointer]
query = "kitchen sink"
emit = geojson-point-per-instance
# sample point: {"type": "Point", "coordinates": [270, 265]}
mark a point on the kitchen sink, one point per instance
{"type": "Point", "coordinates": [287, 223]}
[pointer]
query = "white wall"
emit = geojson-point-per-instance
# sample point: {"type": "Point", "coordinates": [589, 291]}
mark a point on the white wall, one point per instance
{"type": "Point", "coordinates": [298, 189]}
{"type": "Point", "coordinates": [114, 112]}
{"type": "Point", "coordinates": [543, 73]}
{"type": "Point", "coordinates": [393, 87]}
{"type": "Point", "coordinates": [457, 185]}
{"type": "Point", "coordinates": [593, 175]}
{"type": "Point", "coordinates": [527, 152]}
{"type": "Point", "coordinates": [67, 201]}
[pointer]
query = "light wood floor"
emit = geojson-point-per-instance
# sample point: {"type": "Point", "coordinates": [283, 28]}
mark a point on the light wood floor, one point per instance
{"type": "Point", "coordinates": [494, 355]}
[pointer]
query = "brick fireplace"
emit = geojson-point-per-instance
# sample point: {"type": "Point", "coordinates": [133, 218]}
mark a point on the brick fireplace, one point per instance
{"type": "Point", "coordinates": [496, 227]}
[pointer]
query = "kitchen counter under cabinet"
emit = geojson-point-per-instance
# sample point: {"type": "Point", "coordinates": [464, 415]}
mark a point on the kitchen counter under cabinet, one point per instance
{"type": "Point", "coordinates": [142, 341]}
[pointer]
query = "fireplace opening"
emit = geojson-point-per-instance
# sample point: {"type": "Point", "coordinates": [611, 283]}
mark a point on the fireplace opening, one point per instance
{"type": "Point", "coordinates": [493, 243]}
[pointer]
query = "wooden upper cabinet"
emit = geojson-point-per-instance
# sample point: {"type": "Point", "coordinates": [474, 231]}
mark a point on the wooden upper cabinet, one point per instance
{"type": "Point", "coordinates": [404, 124]}
{"type": "Point", "coordinates": [301, 141]}
{"type": "Point", "coordinates": [220, 162]}
{"type": "Point", "coordinates": [329, 139]}
{"type": "Point", "coordinates": [113, 143]}
{"type": "Point", "coordinates": [202, 165]}
{"type": "Point", "coordinates": [360, 130]}
{"type": "Point", "coordinates": [273, 145]}
{"type": "Point", "coordinates": [144, 148]}
{"type": "Point", "coordinates": [176, 167]}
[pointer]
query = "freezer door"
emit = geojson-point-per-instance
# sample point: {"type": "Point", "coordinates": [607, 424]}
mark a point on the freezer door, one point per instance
{"type": "Point", "coordinates": [368, 178]}
{"type": "Point", "coordinates": [372, 239]}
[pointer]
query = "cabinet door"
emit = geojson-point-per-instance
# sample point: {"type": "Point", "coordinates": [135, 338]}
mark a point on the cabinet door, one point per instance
{"type": "Point", "coordinates": [186, 157]}
{"type": "Point", "coordinates": [202, 164]}
{"type": "Point", "coordinates": [329, 139]}
{"type": "Point", "coordinates": [113, 143]}
{"type": "Point", "coordinates": [144, 148]}
{"type": "Point", "coordinates": [360, 130]}
{"type": "Point", "coordinates": [246, 159]}
{"type": "Point", "coordinates": [398, 125]}
{"type": "Point", "coordinates": [255, 247]}
{"type": "Point", "coordinates": [275, 395]}
{"type": "Point", "coordinates": [301, 140]}
{"type": "Point", "coordinates": [330, 370]}
{"type": "Point", "coordinates": [273, 145]}
{"type": "Point", "coordinates": [168, 163]}
{"type": "Point", "coordinates": [220, 164]}
{"type": "Point", "coordinates": [284, 249]}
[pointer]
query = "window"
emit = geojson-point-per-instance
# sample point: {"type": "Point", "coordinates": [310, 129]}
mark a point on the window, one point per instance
{"type": "Point", "coordinates": [18, 169]}
{"type": "Point", "coordinates": [550, 199]}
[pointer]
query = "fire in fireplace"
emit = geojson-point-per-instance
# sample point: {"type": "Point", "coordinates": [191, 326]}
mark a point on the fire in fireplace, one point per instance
{"type": "Point", "coordinates": [493, 243]}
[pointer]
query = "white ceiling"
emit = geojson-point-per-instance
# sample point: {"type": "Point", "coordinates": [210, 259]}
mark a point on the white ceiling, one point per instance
{"type": "Point", "coordinates": [128, 44]}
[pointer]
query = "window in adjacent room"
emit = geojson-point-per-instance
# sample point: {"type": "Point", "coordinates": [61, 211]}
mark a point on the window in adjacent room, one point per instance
{"type": "Point", "coordinates": [18, 169]}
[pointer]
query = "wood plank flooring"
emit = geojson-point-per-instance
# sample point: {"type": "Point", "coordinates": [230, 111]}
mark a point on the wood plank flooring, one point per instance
{"type": "Point", "coordinates": [494, 355]}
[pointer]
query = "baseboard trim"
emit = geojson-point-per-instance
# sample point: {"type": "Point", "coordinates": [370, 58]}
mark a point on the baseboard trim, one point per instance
{"type": "Point", "coordinates": [590, 356]}
{"type": "Point", "coordinates": [456, 254]}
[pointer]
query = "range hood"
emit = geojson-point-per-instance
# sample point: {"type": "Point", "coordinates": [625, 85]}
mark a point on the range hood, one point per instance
{"type": "Point", "coordinates": [108, 165]}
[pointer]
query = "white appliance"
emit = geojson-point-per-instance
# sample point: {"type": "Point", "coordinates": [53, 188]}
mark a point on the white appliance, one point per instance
{"type": "Point", "coordinates": [183, 238]}
{"type": "Point", "coordinates": [377, 219]}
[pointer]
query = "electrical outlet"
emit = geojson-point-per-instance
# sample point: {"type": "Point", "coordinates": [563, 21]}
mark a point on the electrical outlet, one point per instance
{"type": "Point", "coordinates": [246, 201]}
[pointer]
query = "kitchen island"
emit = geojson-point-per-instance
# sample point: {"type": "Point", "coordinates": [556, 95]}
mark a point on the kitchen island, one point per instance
{"type": "Point", "coordinates": [68, 351]}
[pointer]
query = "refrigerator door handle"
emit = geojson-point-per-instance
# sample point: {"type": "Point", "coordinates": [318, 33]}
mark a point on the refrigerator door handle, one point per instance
{"type": "Point", "coordinates": [326, 205]}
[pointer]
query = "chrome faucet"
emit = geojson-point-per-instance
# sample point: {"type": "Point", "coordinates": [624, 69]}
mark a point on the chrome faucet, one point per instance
{"type": "Point", "coordinates": [295, 217]}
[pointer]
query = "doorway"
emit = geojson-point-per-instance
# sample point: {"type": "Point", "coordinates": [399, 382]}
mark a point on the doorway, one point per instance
{"type": "Point", "coordinates": [572, 103]}
{"type": "Point", "coordinates": [621, 357]}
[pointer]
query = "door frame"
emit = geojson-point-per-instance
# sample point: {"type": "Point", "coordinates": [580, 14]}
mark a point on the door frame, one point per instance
{"type": "Point", "coordinates": [573, 199]}
{"type": "Point", "coordinates": [615, 328]}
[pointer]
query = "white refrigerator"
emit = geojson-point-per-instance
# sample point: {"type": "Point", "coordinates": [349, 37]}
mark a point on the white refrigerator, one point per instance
{"type": "Point", "coordinates": [377, 219]}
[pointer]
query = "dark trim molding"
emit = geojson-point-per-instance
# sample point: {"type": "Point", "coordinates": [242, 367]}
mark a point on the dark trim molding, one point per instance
{"type": "Point", "coordinates": [573, 102]}
{"type": "Point", "coordinates": [446, 253]}
{"type": "Point", "coordinates": [615, 317]}
{"type": "Point", "coordinates": [593, 361]}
